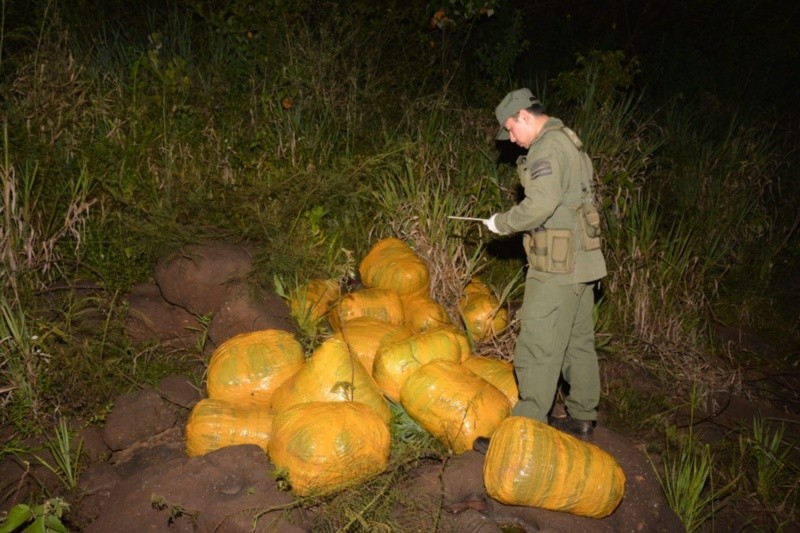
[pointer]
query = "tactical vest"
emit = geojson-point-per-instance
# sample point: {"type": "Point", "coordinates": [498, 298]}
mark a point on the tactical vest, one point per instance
{"type": "Point", "coordinates": [574, 228]}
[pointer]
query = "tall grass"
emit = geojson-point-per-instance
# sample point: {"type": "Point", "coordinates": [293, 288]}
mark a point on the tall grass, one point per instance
{"type": "Point", "coordinates": [39, 217]}
{"type": "Point", "coordinates": [683, 205]}
{"type": "Point", "coordinates": [776, 475]}
{"type": "Point", "coordinates": [319, 148]}
{"type": "Point", "coordinates": [310, 138]}
{"type": "Point", "coordinates": [21, 364]}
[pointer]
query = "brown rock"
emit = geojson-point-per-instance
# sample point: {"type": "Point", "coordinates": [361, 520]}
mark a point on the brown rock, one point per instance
{"type": "Point", "coordinates": [197, 277]}
{"type": "Point", "coordinates": [92, 443]}
{"type": "Point", "coordinates": [135, 418]}
{"type": "Point", "coordinates": [220, 491]}
{"type": "Point", "coordinates": [241, 312]}
{"type": "Point", "coordinates": [152, 318]}
{"type": "Point", "coordinates": [180, 391]}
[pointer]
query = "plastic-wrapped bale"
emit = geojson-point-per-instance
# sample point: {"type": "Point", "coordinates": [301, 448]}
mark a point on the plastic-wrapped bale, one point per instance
{"type": "Point", "coordinates": [395, 362]}
{"type": "Point", "coordinates": [326, 446]}
{"type": "Point", "coordinates": [215, 424]}
{"type": "Point", "coordinates": [331, 374]}
{"type": "Point", "coordinates": [481, 312]}
{"type": "Point", "coordinates": [365, 336]}
{"type": "Point", "coordinates": [252, 365]}
{"type": "Point", "coordinates": [380, 304]}
{"type": "Point", "coordinates": [453, 404]}
{"type": "Point", "coordinates": [497, 372]}
{"type": "Point", "coordinates": [461, 337]}
{"type": "Point", "coordinates": [423, 313]}
{"type": "Point", "coordinates": [392, 264]}
{"type": "Point", "coordinates": [311, 301]}
{"type": "Point", "coordinates": [530, 463]}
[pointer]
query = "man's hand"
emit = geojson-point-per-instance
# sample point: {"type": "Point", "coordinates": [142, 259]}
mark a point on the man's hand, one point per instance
{"type": "Point", "coordinates": [489, 223]}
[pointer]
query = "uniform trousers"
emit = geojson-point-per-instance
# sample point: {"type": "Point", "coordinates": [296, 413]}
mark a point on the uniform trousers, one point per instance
{"type": "Point", "coordinates": [556, 338]}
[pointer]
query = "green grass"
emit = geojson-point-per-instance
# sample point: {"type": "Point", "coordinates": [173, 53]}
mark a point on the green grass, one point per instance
{"type": "Point", "coordinates": [776, 484]}
{"type": "Point", "coordinates": [313, 137]}
{"type": "Point", "coordinates": [688, 486]}
{"type": "Point", "coordinates": [66, 464]}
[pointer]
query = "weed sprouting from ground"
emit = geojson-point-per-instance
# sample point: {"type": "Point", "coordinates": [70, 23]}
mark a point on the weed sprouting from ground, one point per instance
{"type": "Point", "coordinates": [66, 456]}
{"type": "Point", "coordinates": [689, 477]}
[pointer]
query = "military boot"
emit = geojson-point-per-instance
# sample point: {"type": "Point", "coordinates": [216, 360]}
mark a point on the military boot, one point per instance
{"type": "Point", "coordinates": [582, 429]}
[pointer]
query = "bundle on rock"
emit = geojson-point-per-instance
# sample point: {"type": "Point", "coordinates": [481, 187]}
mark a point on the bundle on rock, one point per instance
{"type": "Point", "coordinates": [311, 301]}
{"type": "Point", "coordinates": [331, 374]}
{"type": "Point", "coordinates": [395, 362]}
{"type": "Point", "coordinates": [530, 463]}
{"type": "Point", "coordinates": [498, 373]}
{"type": "Point", "coordinates": [365, 336]}
{"type": "Point", "coordinates": [252, 365]}
{"type": "Point", "coordinates": [453, 404]}
{"type": "Point", "coordinates": [380, 304]}
{"type": "Point", "coordinates": [215, 424]}
{"type": "Point", "coordinates": [480, 309]}
{"type": "Point", "coordinates": [392, 264]}
{"type": "Point", "coordinates": [326, 446]}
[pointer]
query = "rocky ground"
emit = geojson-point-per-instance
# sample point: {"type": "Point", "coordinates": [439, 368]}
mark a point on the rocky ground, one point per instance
{"type": "Point", "coordinates": [139, 478]}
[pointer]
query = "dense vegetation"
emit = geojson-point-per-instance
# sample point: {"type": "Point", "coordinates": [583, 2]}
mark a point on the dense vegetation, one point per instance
{"type": "Point", "coordinates": [309, 129]}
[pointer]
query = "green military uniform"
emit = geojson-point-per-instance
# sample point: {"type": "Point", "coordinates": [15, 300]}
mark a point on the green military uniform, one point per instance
{"type": "Point", "coordinates": [557, 330]}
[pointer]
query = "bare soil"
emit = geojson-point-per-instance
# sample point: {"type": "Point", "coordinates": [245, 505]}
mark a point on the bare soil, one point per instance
{"type": "Point", "coordinates": [137, 476]}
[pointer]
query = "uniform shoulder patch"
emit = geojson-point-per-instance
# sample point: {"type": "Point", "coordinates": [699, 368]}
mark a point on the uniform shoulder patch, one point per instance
{"type": "Point", "coordinates": [540, 169]}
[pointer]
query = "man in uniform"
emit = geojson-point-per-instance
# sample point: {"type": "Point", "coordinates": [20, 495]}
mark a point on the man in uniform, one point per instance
{"type": "Point", "coordinates": [561, 240]}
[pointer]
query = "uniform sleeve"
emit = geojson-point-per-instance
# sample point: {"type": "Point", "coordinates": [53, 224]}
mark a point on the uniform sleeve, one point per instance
{"type": "Point", "coordinates": [543, 194]}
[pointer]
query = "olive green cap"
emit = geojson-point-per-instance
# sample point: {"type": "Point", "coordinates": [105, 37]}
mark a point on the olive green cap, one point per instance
{"type": "Point", "coordinates": [510, 106]}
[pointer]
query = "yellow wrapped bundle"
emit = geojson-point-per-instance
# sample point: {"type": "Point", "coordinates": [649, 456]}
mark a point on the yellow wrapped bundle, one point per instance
{"type": "Point", "coordinates": [498, 373]}
{"type": "Point", "coordinates": [311, 301]}
{"type": "Point", "coordinates": [530, 463]}
{"type": "Point", "coordinates": [453, 404]}
{"type": "Point", "coordinates": [422, 313]}
{"type": "Point", "coordinates": [395, 362]}
{"type": "Point", "coordinates": [327, 446]}
{"type": "Point", "coordinates": [381, 304]}
{"type": "Point", "coordinates": [364, 336]}
{"type": "Point", "coordinates": [252, 365]}
{"type": "Point", "coordinates": [215, 424]}
{"type": "Point", "coordinates": [392, 264]}
{"type": "Point", "coordinates": [480, 309]}
{"type": "Point", "coordinates": [331, 374]}
{"type": "Point", "coordinates": [463, 341]}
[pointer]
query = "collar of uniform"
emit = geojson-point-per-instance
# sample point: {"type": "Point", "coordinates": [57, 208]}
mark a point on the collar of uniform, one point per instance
{"type": "Point", "coordinates": [551, 124]}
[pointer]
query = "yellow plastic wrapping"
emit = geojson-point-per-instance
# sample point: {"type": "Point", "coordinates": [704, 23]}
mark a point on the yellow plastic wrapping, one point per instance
{"type": "Point", "coordinates": [481, 312]}
{"type": "Point", "coordinates": [392, 264]}
{"type": "Point", "coordinates": [327, 446]}
{"type": "Point", "coordinates": [364, 336]}
{"type": "Point", "coordinates": [498, 373]}
{"type": "Point", "coordinates": [331, 374]}
{"type": "Point", "coordinates": [215, 424]}
{"type": "Point", "coordinates": [461, 337]}
{"type": "Point", "coordinates": [530, 463]}
{"type": "Point", "coordinates": [381, 304]}
{"type": "Point", "coordinates": [395, 362]}
{"type": "Point", "coordinates": [252, 365]}
{"type": "Point", "coordinates": [453, 404]}
{"type": "Point", "coordinates": [311, 301]}
{"type": "Point", "coordinates": [423, 313]}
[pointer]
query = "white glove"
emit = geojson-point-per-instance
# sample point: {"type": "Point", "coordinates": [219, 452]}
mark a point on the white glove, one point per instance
{"type": "Point", "coordinates": [489, 223]}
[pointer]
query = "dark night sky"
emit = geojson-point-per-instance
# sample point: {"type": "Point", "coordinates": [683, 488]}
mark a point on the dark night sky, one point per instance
{"type": "Point", "coordinates": [746, 51]}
